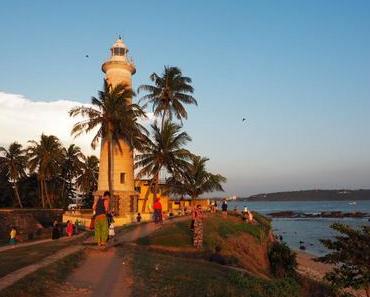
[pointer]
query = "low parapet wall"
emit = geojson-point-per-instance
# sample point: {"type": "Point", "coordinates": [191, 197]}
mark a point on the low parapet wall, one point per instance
{"type": "Point", "coordinates": [30, 223]}
{"type": "Point", "coordinates": [84, 219]}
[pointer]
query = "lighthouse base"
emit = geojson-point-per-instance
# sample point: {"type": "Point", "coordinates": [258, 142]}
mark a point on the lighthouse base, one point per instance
{"type": "Point", "coordinates": [122, 203]}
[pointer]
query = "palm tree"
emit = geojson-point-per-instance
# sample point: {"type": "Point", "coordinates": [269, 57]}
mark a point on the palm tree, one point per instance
{"type": "Point", "coordinates": [87, 181]}
{"type": "Point", "coordinates": [13, 163]}
{"type": "Point", "coordinates": [114, 117]}
{"type": "Point", "coordinates": [195, 180]}
{"type": "Point", "coordinates": [71, 168]}
{"type": "Point", "coordinates": [166, 150]}
{"type": "Point", "coordinates": [45, 158]}
{"type": "Point", "coordinates": [168, 94]}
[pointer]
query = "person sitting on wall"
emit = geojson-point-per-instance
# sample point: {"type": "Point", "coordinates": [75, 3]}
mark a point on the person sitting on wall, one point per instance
{"type": "Point", "coordinates": [138, 218]}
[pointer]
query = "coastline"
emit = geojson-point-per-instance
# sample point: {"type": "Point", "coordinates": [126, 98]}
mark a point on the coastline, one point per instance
{"type": "Point", "coordinates": [317, 270]}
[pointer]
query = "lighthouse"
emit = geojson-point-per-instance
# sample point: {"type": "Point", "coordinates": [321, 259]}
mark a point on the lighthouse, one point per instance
{"type": "Point", "coordinates": [119, 69]}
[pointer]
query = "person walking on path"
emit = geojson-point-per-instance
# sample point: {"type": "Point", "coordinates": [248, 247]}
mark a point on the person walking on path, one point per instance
{"type": "Point", "coordinates": [69, 229]}
{"type": "Point", "coordinates": [157, 211]}
{"type": "Point", "coordinates": [197, 216]}
{"type": "Point", "coordinates": [101, 208]}
{"type": "Point", "coordinates": [55, 234]}
{"type": "Point", "coordinates": [13, 235]}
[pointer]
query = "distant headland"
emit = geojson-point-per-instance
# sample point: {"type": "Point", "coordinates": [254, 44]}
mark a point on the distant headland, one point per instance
{"type": "Point", "coordinates": [312, 195]}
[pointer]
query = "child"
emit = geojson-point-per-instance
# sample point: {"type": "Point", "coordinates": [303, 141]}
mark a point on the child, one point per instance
{"type": "Point", "coordinates": [13, 234]}
{"type": "Point", "coordinates": [138, 218]}
{"type": "Point", "coordinates": [111, 230]}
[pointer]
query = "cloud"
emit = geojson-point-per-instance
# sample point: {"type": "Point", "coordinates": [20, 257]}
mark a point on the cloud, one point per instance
{"type": "Point", "coordinates": [22, 119]}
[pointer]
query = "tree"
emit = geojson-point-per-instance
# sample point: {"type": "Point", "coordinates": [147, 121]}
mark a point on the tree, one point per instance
{"type": "Point", "coordinates": [168, 94]}
{"type": "Point", "coordinates": [71, 168]}
{"type": "Point", "coordinates": [195, 180]}
{"type": "Point", "coordinates": [351, 255]}
{"type": "Point", "coordinates": [45, 158]}
{"type": "Point", "coordinates": [87, 181]}
{"type": "Point", "coordinates": [13, 163]}
{"type": "Point", "coordinates": [115, 119]}
{"type": "Point", "coordinates": [165, 150]}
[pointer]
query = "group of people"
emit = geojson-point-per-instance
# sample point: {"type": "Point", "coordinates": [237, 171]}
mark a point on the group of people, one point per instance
{"type": "Point", "coordinates": [103, 221]}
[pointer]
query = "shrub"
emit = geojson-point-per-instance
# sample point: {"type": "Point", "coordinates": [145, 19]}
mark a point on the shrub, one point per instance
{"type": "Point", "coordinates": [282, 260]}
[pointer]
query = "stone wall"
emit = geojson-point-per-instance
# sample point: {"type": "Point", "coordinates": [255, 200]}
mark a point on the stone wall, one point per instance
{"type": "Point", "coordinates": [30, 223]}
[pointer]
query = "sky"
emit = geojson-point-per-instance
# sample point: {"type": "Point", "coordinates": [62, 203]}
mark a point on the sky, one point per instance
{"type": "Point", "coordinates": [298, 71]}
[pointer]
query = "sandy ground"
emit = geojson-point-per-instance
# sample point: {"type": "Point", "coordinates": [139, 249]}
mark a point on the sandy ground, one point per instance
{"type": "Point", "coordinates": [316, 270]}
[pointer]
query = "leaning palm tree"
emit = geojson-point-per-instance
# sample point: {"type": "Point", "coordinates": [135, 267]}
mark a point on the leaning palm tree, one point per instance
{"type": "Point", "coordinates": [71, 168]}
{"type": "Point", "coordinates": [115, 118]}
{"type": "Point", "coordinates": [195, 180]}
{"type": "Point", "coordinates": [45, 158]}
{"type": "Point", "coordinates": [13, 163]}
{"type": "Point", "coordinates": [87, 181]}
{"type": "Point", "coordinates": [164, 151]}
{"type": "Point", "coordinates": [168, 94]}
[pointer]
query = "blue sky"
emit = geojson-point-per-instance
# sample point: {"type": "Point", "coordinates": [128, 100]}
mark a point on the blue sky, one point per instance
{"type": "Point", "coordinates": [299, 71]}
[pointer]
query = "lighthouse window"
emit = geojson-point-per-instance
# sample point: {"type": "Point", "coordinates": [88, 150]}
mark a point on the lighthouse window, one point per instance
{"type": "Point", "coordinates": [122, 177]}
{"type": "Point", "coordinates": [118, 51]}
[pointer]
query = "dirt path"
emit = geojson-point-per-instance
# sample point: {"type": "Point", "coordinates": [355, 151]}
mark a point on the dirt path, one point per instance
{"type": "Point", "coordinates": [105, 273]}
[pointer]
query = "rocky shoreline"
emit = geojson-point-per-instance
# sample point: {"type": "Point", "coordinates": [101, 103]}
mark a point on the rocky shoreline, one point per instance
{"type": "Point", "coordinates": [322, 214]}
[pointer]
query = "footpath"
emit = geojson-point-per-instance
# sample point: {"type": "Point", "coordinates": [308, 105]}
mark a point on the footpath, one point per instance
{"type": "Point", "coordinates": [36, 242]}
{"type": "Point", "coordinates": [102, 273]}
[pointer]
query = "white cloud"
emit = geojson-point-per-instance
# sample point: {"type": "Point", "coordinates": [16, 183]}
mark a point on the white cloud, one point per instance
{"type": "Point", "coordinates": [22, 119]}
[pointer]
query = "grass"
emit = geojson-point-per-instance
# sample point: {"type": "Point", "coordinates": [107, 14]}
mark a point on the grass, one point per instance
{"type": "Point", "coordinates": [177, 234]}
{"type": "Point", "coordinates": [14, 259]}
{"type": "Point", "coordinates": [39, 283]}
{"type": "Point", "coordinates": [184, 277]}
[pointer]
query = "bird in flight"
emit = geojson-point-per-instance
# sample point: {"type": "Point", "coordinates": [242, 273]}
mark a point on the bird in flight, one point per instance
{"type": "Point", "coordinates": [86, 56]}
{"type": "Point", "coordinates": [244, 119]}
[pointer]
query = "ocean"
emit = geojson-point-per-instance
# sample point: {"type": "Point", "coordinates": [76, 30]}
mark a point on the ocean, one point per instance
{"type": "Point", "coordinates": [308, 230]}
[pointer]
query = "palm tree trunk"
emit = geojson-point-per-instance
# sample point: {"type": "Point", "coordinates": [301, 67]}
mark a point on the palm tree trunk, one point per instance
{"type": "Point", "coordinates": [110, 173]}
{"type": "Point", "coordinates": [62, 193]}
{"type": "Point", "coordinates": [47, 194]}
{"type": "Point", "coordinates": [17, 194]}
{"type": "Point", "coordinates": [156, 186]}
{"type": "Point", "coordinates": [163, 119]}
{"type": "Point", "coordinates": [147, 195]}
{"type": "Point", "coordinates": [41, 192]}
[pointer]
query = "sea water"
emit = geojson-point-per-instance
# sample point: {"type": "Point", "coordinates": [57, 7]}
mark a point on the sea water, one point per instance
{"type": "Point", "coordinates": [307, 230]}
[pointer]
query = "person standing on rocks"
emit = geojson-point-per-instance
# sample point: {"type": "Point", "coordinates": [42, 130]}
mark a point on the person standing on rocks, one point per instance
{"type": "Point", "coordinates": [101, 208]}
{"type": "Point", "coordinates": [197, 216]}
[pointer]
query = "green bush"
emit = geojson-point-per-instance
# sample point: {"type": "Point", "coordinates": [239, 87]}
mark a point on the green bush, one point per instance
{"type": "Point", "coordinates": [282, 260]}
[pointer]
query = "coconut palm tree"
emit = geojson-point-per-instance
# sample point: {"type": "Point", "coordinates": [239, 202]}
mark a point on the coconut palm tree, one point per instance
{"type": "Point", "coordinates": [45, 158]}
{"type": "Point", "coordinates": [195, 180]}
{"type": "Point", "coordinates": [87, 181]}
{"type": "Point", "coordinates": [115, 119]}
{"type": "Point", "coordinates": [168, 94]}
{"type": "Point", "coordinates": [71, 168]}
{"type": "Point", "coordinates": [13, 163]}
{"type": "Point", "coordinates": [164, 151]}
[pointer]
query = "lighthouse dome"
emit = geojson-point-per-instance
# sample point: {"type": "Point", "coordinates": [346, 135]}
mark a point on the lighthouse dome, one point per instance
{"type": "Point", "coordinates": [119, 48]}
